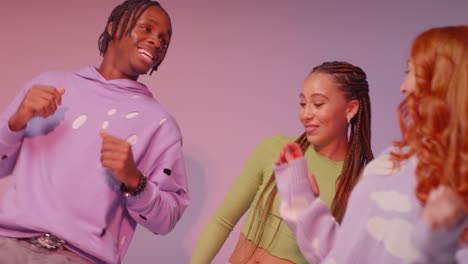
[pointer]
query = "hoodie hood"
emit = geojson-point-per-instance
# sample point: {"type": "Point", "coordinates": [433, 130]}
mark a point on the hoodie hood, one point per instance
{"type": "Point", "coordinates": [91, 73]}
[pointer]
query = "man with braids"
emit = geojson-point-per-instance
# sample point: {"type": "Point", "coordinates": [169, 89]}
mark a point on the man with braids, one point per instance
{"type": "Point", "coordinates": [83, 175]}
{"type": "Point", "coordinates": [334, 103]}
{"type": "Point", "coordinates": [412, 202]}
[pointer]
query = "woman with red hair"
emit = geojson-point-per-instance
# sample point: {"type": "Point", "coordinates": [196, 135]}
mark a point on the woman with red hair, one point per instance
{"type": "Point", "coordinates": [412, 201]}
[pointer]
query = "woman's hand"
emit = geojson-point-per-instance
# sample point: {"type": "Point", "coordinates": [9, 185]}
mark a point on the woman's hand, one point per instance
{"type": "Point", "coordinates": [290, 152]}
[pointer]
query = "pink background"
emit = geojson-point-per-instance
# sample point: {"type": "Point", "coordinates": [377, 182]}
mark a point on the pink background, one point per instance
{"type": "Point", "coordinates": [231, 77]}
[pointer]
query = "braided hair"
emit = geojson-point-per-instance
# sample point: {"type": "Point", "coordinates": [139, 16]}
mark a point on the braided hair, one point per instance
{"type": "Point", "coordinates": [353, 84]}
{"type": "Point", "coordinates": [126, 15]}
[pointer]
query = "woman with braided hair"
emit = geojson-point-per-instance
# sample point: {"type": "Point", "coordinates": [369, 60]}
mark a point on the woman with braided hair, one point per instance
{"type": "Point", "coordinates": [412, 202]}
{"type": "Point", "coordinates": [335, 113]}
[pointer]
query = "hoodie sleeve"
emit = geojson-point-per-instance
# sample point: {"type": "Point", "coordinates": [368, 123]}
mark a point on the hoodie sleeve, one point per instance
{"type": "Point", "coordinates": [160, 206]}
{"type": "Point", "coordinates": [10, 141]}
{"type": "Point", "coordinates": [308, 217]}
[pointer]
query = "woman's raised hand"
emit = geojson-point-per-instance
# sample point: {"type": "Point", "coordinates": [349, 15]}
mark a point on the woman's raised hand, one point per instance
{"type": "Point", "coordinates": [291, 152]}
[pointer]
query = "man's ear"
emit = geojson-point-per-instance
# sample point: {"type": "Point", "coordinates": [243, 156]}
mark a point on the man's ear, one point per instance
{"type": "Point", "coordinates": [109, 28]}
{"type": "Point", "coordinates": [352, 109]}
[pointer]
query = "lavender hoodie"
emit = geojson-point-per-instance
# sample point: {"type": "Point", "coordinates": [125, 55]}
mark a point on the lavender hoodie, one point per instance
{"type": "Point", "coordinates": [58, 184]}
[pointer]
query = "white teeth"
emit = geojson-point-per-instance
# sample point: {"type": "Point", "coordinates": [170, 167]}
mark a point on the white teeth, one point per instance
{"type": "Point", "coordinates": [146, 53]}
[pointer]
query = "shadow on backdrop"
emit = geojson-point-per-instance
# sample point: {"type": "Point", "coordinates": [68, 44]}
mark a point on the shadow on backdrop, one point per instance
{"type": "Point", "coordinates": [148, 248]}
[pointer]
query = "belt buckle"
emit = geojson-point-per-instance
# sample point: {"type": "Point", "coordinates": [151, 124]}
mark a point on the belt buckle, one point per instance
{"type": "Point", "coordinates": [48, 242]}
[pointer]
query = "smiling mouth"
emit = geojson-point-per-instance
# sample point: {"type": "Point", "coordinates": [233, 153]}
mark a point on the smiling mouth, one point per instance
{"type": "Point", "coordinates": [147, 54]}
{"type": "Point", "coordinates": [309, 129]}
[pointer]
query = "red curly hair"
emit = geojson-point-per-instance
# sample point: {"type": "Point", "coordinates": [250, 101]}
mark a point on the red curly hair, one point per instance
{"type": "Point", "coordinates": [434, 118]}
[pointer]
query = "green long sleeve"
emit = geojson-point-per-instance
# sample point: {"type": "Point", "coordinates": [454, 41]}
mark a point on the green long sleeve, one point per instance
{"type": "Point", "coordinates": [234, 205]}
{"type": "Point", "coordinates": [244, 194]}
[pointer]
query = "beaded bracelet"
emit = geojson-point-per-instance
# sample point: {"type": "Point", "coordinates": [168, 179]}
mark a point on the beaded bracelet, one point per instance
{"type": "Point", "coordinates": [140, 188]}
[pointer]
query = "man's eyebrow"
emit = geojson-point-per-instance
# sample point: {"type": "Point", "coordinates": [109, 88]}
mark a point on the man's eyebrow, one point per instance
{"type": "Point", "coordinates": [169, 32]}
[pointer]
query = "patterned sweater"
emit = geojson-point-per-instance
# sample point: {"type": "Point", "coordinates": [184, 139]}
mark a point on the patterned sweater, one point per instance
{"type": "Point", "coordinates": [382, 224]}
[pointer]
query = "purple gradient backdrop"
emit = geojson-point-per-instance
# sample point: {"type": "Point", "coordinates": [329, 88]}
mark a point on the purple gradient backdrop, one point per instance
{"type": "Point", "coordinates": [231, 77]}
